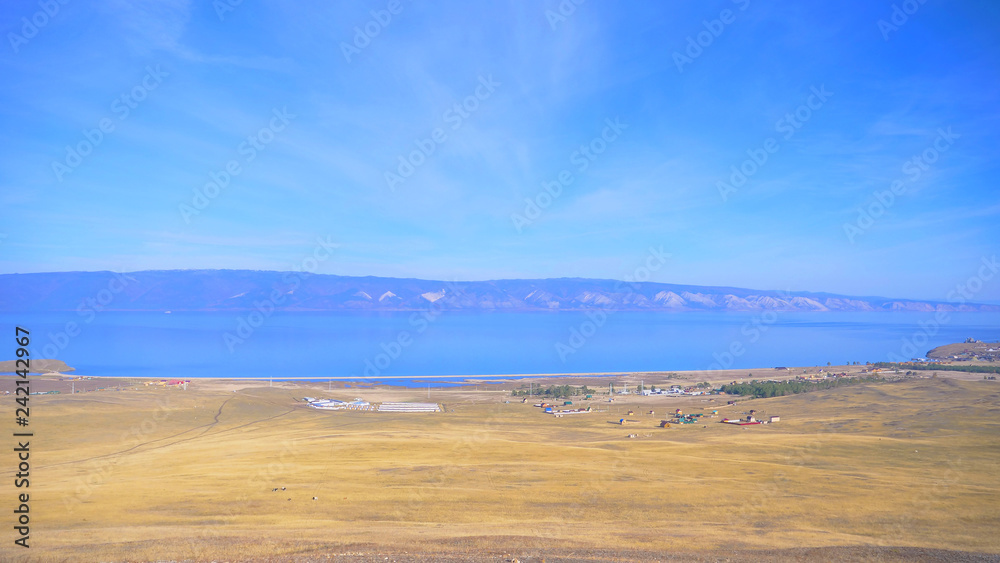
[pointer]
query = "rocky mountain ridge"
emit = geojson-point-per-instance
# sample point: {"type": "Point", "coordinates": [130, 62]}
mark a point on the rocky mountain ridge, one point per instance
{"type": "Point", "coordinates": [212, 290]}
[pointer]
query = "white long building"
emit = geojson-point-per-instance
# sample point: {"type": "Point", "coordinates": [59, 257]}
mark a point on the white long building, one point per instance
{"type": "Point", "coordinates": [409, 407]}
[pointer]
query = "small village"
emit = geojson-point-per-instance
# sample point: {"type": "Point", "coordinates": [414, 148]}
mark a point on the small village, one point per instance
{"type": "Point", "coordinates": [970, 350]}
{"type": "Point", "coordinates": [677, 417]}
{"type": "Point", "coordinates": [568, 401]}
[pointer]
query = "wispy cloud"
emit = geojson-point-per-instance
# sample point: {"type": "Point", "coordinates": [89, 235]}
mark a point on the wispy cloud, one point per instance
{"type": "Point", "coordinates": [324, 174]}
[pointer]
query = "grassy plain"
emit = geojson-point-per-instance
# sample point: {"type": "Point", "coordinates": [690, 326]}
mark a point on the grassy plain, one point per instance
{"type": "Point", "coordinates": [871, 472]}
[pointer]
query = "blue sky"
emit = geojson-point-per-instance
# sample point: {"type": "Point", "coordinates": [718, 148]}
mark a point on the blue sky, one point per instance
{"type": "Point", "coordinates": [536, 86]}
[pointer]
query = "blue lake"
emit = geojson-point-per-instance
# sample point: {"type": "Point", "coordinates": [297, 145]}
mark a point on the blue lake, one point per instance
{"type": "Point", "coordinates": [370, 345]}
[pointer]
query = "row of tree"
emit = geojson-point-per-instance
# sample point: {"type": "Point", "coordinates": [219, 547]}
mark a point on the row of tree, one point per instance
{"type": "Point", "coordinates": [765, 389]}
{"type": "Point", "coordinates": [554, 391]}
{"type": "Point", "coordinates": [932, 367]}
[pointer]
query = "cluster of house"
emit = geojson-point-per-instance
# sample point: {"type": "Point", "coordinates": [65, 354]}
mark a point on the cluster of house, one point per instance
{"type": "Point", "coordinates": [749, 419]}
{"type": "Point", "coordinates": [681, 418]}
{"type": "Point", "coordinates": [821, 376]}
{"type": "Point", "coordinates": [987, 355]}
{"type": "Point", "coordinates": [557, 412]}
{"type": "Point", "coordinates": [161, 382]}
{"type": "Point", "coordinates": [675, 390]}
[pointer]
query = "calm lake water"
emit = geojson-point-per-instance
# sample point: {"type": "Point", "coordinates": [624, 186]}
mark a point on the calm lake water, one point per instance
{"type": "Point", "coordinates": [459, 343]}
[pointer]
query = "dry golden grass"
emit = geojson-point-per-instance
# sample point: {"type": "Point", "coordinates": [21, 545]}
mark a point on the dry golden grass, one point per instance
{"type": "Point", "coordinates": [170, 474]}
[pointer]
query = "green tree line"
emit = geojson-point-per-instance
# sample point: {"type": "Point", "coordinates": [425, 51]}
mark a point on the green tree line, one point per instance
{"type": "Point", "coordinates": [554, 391]}
{"type": "Point", "coordinates": [780, 388]}
{"type": "Point", "coordinates": [932, 367]}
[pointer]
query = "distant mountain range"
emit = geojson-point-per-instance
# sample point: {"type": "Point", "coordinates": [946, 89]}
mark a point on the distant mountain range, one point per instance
{"type": "Point", "coordinates": [235, 290]}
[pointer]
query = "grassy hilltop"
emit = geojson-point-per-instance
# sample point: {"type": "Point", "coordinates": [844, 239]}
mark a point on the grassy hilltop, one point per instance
{"type": "Point", "coordinates": [36, 366]}
{"type": "Point", "coordinates": [884, 472]}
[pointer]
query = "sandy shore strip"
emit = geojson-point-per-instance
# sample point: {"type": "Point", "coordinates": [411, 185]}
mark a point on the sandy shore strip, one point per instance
{"type": "Point", "coordinates": [66, 382]}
